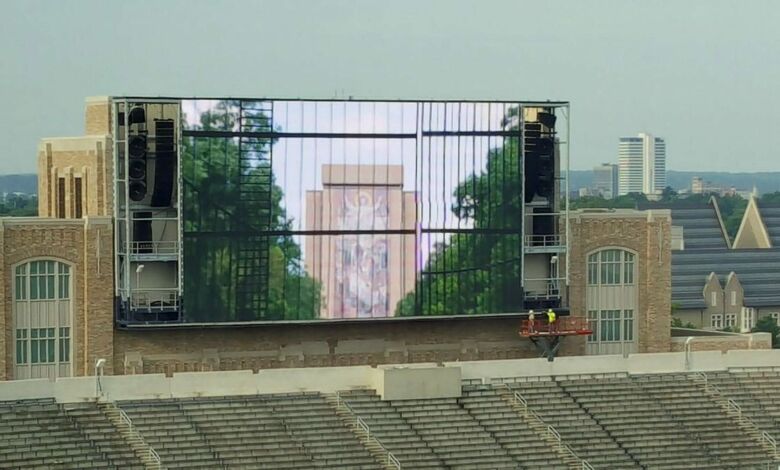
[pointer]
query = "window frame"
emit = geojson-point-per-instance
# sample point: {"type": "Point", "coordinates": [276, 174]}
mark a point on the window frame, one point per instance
{"type": "Point", "coordinates": [78, 197]}
{"type": "Point", "coordinates": [44, 344]}
{"type": "Point", "coordinates": [716, 321]}
{"type": "Point", "coordinates": [61, 197]}
{"type": "Point", "coordinates": [611, 266]}
{"type": "Point", "coordinates": [611, 325]}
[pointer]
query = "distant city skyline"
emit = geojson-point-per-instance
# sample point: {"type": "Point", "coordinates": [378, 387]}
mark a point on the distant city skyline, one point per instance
{"type": "Point", "coordinates": [641, 164]}
{"type": "Point", "coordinates": [697, 72]}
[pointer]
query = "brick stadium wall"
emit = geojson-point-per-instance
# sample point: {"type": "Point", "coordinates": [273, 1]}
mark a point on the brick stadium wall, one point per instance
{"type": "Point", "coordinates": [648, 233]}
{"type": "Point", "coordinates": [86, 244]}
{"type": "Point", "coordinates": [261, 347]}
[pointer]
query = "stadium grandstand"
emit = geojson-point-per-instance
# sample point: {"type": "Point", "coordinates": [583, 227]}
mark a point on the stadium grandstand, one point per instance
{"type": "Point", "coordinates": [287, 283]}
{"type": "Point", "coordinates": [669, 411]}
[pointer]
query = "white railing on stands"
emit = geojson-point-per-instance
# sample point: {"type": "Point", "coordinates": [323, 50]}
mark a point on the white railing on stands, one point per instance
{"type": "Point", "coordinates": [361, 423]}
{"type": "Point", "coordinates": [701, 376]}
{"type": "Point", "coordinates": [734, 407]}
{"type": "Point", "coordinates": [765, 436]}
{"type": "Point", "coordinates": [166, 247]}
{"type": "Point", "coordinates": [152, 453]}
{"type": "Point", "coordinates": [520, 400]}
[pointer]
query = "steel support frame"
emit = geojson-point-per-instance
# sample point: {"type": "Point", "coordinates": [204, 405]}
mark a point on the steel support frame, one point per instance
{"type": "Point", "coordinates": [547, 345]}
{"type": "Point", "coordinates": [563, 210]}
{"type": "Point", "coordinates": [563, 167]}
{"type": "Point", "coordinates": [122, 212]}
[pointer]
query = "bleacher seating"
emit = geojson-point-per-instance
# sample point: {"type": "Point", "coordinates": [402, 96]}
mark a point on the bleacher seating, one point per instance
{"type": "Point", "coordinates": [395, 433]}
{"type": "Point", "coordinates": [514, 434]}
{"type": "Point", "coordinates": [756, 393]}
{"type": "Point", "coordinates": [584, 434]}
{"type": "Point", "coordinates": [172, 434]}
{"type": "Point", "coordinates": [705, 422]}
{"type": "Point", "coordinates": [43, 434]}
{"type": "Point", "coordinates": [454, 434]}
{"type": "Point", "coordinates": [273, 431]}
{"type": "Point", "coordinates": [640, 423]}
{"type": "Point", "coordinates": [668, 421]}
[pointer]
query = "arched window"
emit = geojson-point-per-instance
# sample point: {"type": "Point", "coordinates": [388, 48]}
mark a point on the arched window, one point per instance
{"type": "Point", "coordinates": [611, 300]}
{"type": "Point", "coordinates": [42, 319]}
{"type": "Point", "coordinates": [611, 267]}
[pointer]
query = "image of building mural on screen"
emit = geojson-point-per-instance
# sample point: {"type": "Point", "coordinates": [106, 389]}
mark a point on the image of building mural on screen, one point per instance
{"type": "Point", "coordinates": [361, 260]}
{"type": "Point", "coordinates": [363, 274]}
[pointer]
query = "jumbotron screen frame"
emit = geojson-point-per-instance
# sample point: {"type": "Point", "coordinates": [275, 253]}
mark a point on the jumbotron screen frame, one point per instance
{"type": "Point", "coordinates": [308, 211]}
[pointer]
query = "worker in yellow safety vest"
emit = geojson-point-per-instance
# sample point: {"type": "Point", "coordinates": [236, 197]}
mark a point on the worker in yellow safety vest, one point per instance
{"type": "Point", "coordinates": [550, 320]}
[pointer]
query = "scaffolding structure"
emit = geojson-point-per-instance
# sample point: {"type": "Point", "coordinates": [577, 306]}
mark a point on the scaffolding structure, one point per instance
{"type": "Point", "coordinates": [548, 336]}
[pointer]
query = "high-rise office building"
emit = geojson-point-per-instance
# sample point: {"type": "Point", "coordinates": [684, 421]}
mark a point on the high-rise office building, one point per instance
{"type": "Point", "coordinates": [642, 165]}
{"type": "Point", "coordinates": [605, 180]}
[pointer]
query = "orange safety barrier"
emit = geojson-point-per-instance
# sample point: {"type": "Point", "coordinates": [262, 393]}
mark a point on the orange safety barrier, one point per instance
{"type": "Point", "coordinates": [561, 326]}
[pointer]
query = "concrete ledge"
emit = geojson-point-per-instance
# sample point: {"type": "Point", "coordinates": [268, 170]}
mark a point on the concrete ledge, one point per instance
{"type": "Point", "coordinates": [27, 389]}
{"type": "Point", "coordinates": [392, 382]}
{"type": "Point", "coordinates": [416, 383]}
{"type": "Point", "coordinates": [136, 387]}
{"type": "Point", "coordinates": [213, 384]}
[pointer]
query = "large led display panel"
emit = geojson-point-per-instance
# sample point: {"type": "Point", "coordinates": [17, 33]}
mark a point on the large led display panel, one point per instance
{"type": "Point", "coordinates": [298, 210]}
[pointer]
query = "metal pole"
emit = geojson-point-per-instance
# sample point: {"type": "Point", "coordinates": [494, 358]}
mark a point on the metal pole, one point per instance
{"type": "Point", "coordinates": [179, 221]}
{"type": "Point", "coordinates": [566, 196]}
{"type": "Point", "coordinates": [521, 143]}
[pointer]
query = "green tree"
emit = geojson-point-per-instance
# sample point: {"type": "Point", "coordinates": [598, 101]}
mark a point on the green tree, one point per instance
{"type": "Point", "coordinates": [770, 198]}
{"type": "Point", "coordinates": [732, 208]}
{"type": "Point", "coordinates": [222, 225]}
{"type": "Point", "coordinates": [626, 201]}
{"type": "Point", "coordinates": [669, 195]}
{"type": "Point", "coordinates": [769, 325]}
{"type": "Point", "coordinates": [19, 205]}
{"type": "Point", "coordinates": [477, 272]}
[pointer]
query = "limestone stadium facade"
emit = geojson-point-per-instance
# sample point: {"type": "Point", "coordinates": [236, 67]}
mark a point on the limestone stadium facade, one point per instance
{"type": "Point", "coordinates": [263, 283]}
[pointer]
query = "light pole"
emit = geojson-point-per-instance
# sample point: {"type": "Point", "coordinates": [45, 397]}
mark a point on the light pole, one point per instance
{"type": "Point", "coordinates": [138, 271]}
{"type": "Point", "coordinates": [98, 374]}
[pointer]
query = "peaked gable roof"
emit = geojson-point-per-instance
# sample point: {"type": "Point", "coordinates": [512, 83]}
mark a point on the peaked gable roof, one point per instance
{"type": "Point", "coordinates": [752, 231]}
{"type": "Point", "coordinates": [758, 272]}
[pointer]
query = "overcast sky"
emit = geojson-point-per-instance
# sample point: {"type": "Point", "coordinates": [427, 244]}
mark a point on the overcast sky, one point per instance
{"type": "Point", "coordinates": [702, 74]}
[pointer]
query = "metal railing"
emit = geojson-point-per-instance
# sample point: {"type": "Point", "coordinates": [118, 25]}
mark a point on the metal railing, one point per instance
{"type": "Point", "coordinates": [167, 247]}
{"type": "Point", "coordinates": [766, 437]}
{"type": "Point", "coordinates": [151, 452]}
{"type": "Point", "coordinates": [570, 325]}
{"type": "Point", "coordinates": [734, 407]}
{"type": "Point", "coordinates": [537, 241]}
{"type": "Point", "coordinates": [154, 299]}
{"type": "Point", "coordinates": [701, 376]}
{"type": "Point", "coordinates": [519, 400]}
{"type": "Point", "coordinates": [390, 459]}
{"type": "Point", "coordinates": [546, 288]}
